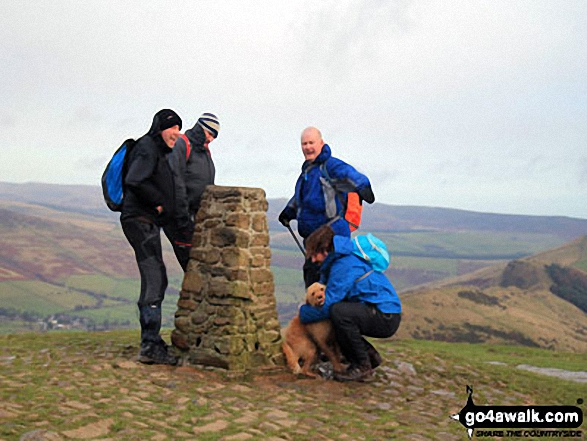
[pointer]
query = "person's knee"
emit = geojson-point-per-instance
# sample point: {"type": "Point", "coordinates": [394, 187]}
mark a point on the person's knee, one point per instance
{"type": "Point", "coordinates": [338, 313]}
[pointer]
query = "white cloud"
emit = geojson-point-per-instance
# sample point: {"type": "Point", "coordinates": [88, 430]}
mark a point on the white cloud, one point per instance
{"type": "Point", "coordinates": [441, 103]}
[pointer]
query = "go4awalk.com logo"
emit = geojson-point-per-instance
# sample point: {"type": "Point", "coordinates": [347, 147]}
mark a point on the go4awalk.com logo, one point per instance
{"type": "Point", "coordinates": [520, 421]}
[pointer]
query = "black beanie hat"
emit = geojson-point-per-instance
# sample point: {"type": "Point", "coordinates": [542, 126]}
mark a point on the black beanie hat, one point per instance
{"type": "Point", "coordinates": [167, 118]}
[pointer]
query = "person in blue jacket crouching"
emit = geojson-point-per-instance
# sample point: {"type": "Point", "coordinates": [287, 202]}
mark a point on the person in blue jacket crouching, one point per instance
{"type": "Point", "coordinates": [359, 302]}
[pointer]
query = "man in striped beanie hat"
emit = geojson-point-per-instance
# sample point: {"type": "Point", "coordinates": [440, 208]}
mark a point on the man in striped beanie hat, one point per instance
{"type": "Point", "coordinates": [194, 169]}
{"type": "Point", "coordinates": [209, 122]}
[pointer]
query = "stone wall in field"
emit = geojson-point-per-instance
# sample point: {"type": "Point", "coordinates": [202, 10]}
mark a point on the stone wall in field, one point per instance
{"type": "Point", "coordinates": [227, 315]}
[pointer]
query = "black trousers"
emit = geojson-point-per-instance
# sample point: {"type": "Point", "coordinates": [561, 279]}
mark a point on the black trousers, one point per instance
{"type": "Point", "coordinates": [353, 320]}
{"type": "Point", "coordinates": [145, 239]}
{"type": "Point", "coordinates": [180, 247]}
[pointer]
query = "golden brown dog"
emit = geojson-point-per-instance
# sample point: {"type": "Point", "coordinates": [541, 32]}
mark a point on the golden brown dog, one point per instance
{"type": "Point", "coordinates": [303, 341]}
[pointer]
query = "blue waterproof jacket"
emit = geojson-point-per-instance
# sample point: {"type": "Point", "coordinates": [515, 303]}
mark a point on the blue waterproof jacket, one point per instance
{"type": "Point", "coordinates": [340, 271]}
{"type": "Point", "coordinates": [315, 202]}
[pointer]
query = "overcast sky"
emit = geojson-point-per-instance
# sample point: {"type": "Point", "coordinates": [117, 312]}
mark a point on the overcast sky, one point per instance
{"type": "Point", "coordinates": [476, 105]}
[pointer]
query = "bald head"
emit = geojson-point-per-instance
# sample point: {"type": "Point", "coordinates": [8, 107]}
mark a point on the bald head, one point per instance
{"type": "Point", "coordinates": [312, 143]}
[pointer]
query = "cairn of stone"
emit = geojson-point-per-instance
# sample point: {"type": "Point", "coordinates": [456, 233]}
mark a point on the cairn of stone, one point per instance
{"type": "Point", "coordinates": [227, 315]}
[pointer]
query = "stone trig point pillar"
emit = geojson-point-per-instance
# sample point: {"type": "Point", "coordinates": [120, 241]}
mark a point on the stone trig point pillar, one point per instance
{"type": "Point", "coordinates": [227, 314]}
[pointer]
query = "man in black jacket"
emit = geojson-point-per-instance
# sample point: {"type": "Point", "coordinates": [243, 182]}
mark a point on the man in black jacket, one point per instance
{"type": "Point", "coordinates": [149, 204]}
{"type": "Point", "coordinates": [193, 171]}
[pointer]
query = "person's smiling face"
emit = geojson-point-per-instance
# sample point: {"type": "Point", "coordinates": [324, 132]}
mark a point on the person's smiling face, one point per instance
{"type": "Point", "coordinates": [312, 143]}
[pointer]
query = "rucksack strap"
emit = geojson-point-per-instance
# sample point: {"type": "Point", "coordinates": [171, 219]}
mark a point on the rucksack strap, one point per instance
{"type": "Point", "coordinates": [363, 253]}
{"type": "Point", "coordinates": [188, 148]}
{"type": "Point", "coordinates": [364, 276]}
{"type": "Point", "coordinates": [324, 171]}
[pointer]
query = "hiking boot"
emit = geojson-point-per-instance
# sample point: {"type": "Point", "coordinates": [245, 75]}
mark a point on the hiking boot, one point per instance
{"type": "Point", "coordinates": [374, 357]}
{"type": "Point", "coordinates": [354, 373]}
{"type": "Point", "coordinates": [156, 354]}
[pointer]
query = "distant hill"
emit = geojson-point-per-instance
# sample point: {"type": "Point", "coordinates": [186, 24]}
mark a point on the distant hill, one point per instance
{"type": "Point", "coordinates": [539, 300]}
{"type": "Point", "coordinates": [87, 199]}
{"type": "Point", "coordinates": [403, 218]}
{"type": "Point", "coordinates": [63, 252]}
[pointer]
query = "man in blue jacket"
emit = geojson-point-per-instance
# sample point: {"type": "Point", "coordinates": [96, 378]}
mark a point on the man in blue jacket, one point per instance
{"type": "Point", "coordinates": [319, 194]}
{"type": "Point", "coordinates": [358, 301]}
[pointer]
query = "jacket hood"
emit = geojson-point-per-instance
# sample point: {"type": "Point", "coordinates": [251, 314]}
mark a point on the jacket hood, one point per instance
{"type": "Point", "coordinates": [196, 136]}
{"type": "Point", "coordinates": [324, 155]}
{"type": "Point", "coordinates": [163, 120]}
{"type": "Point", "coordinates": [342, 245]}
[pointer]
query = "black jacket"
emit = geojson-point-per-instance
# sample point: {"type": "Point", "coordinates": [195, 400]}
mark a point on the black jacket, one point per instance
{"type": "Point", "coordinates": [149, 181]}
{"type": "Point", "coordinates": [191, 176]}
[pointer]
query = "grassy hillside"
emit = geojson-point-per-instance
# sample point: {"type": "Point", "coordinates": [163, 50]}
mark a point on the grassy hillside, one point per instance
{"type": "Point", "coordinates": [63, 254]}
{"type": "Point", "coordinates": [59, 386]}
{"type": "Point", "coordinates": [538, 301]}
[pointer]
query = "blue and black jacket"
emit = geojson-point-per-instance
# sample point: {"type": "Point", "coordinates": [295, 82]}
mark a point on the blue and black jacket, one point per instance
{"type": "Point", "coordinates": [342, 273]}
{"type": "Point", "coordinates": [315, 201]}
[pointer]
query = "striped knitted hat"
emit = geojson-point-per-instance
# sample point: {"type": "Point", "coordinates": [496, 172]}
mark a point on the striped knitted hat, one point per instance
{"type": "Point", "coordinates": [209, 122]}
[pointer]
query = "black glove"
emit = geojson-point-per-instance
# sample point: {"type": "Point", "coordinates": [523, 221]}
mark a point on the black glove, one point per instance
{"type": "Point", "coordinates": [183, 236]}
{"type": "Point", "coordinates": [284, 219]}
{"type": "Point", "coordinates": [366, 194]}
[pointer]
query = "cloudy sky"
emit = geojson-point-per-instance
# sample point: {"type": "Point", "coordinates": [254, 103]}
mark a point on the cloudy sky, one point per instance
{"type": "Point", "coordinates": [476, 105]}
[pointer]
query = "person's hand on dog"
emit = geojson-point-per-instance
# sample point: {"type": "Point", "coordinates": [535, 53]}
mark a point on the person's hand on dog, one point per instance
{"type": "Point", "coordinates": [316, 294]}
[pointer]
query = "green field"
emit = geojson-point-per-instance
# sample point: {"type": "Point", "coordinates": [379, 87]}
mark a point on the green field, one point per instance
{"type": "Point", "coordinates": [416, 258]}
{"type": "Point", "coordinates": [470, 244]}
{"type": "Point", "coordinates": [105, 301]}
{"type": "Point", "coordinates": [40, 297]}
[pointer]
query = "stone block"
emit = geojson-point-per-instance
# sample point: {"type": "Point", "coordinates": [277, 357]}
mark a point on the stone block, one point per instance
{"type": "Point", "coordinates": [259, 206]}
{"type": "Point", "coordinates": [234, 257]}
{"type": "Point", "coordinates": [189, 305]}
{"type": "Point", "coordinates": [241, 290]}
{"type": "Point", "coordinates": [208, 358]}
{"type": "Point", "coordinates": [231, 344]}
{"type": "Point", "coordinates": [198, 317]}
{"type": "Point", "coordinates": [267, 289]}
{"type": "Point", "coordinates": [259, 223]}
{"type": "Point", "coordinates": [239, 274]}
{"type": "Point", "coordinates": [261, 275]}
{"type": "Point", "coordinates": [206, 255]}
{"type": "Point", "coordinates": [179, 340]}
{"type": "Point", "coordinates": [264, 251]}
{"type": "Point", "coordinates": [226, 237]}
{"type": "Point", "coordinates": [192, 280]}
{"type": "Point", "coordinates": [268, 336]}
{"type": "Point", "coordinates": [238, 220]}
{"type": "Point", "coordinates": [260, 239]}
{"type": "Point", "coordinates": [209, 224]}
{"type": "Point", "coordinates": [183, 324]}
{"type": "Point", "coordinates": [219, 287]}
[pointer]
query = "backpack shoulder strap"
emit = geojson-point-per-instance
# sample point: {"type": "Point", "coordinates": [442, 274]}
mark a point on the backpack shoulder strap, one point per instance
{"type": "Point", "coordinates": [188, 147]}
{"type": "Point", "coordinates": [364, 276]}
{"type": "Point", "coordinates": [324, 171]}
{"type": "Point", "coordinates": [326, 175]}
{"type": "Point", "coordinates": [358, 245]}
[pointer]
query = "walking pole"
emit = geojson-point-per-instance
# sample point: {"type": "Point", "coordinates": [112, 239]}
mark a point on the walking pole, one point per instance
{"type": "Point", "coordinates": [297, 241]}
